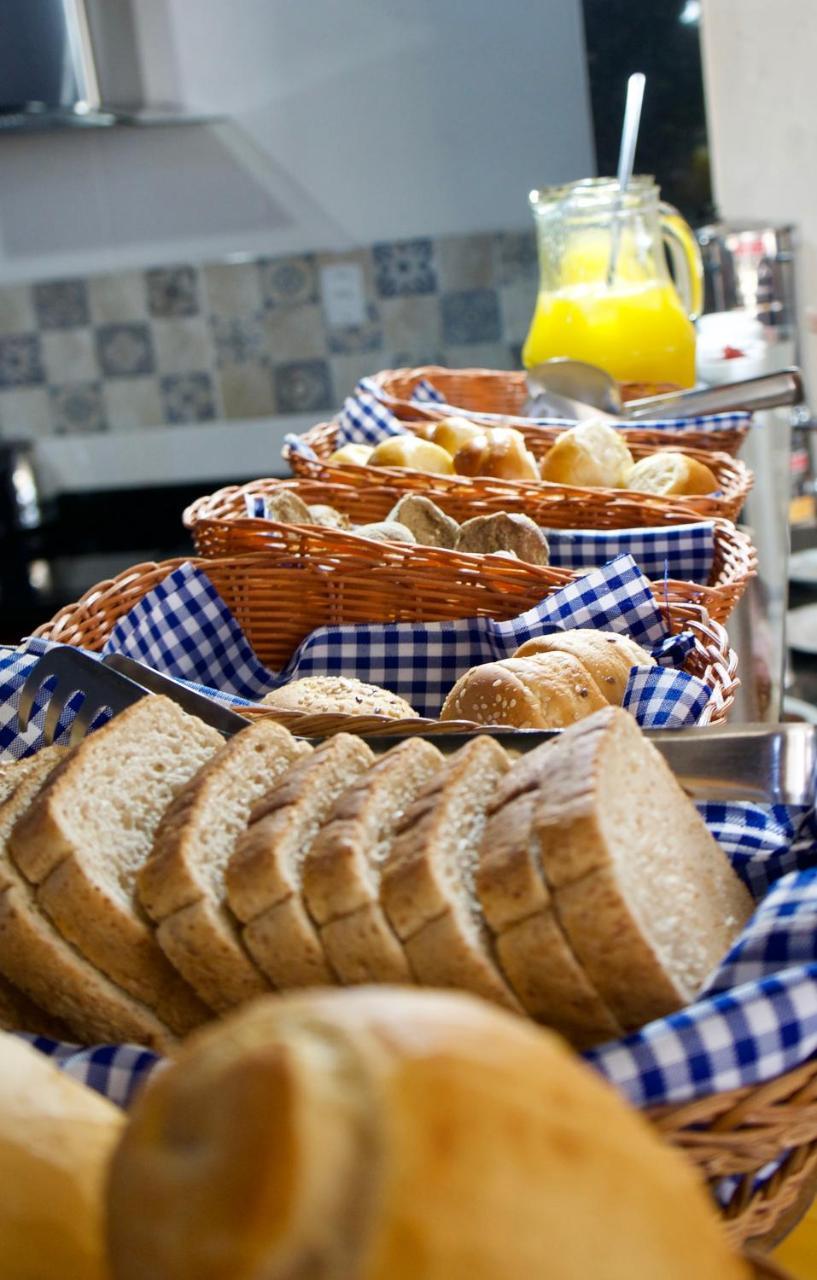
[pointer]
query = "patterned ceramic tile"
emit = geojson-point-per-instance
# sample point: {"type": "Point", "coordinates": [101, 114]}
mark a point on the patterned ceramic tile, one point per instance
{"type": "Point", "coordinates": [348, 370]}
{"type": "Point", "coordinates": [117, 298]}
{"type": "Point", "coordinates": [69, 355]}
{"type": "Point", "coordinates": [479, 355]}
{"type": "Point", "coordinates": [411, 321]}
{"type": "Point", "coordinates": [25, 414]}
{"type": "Point", "coordinates": [517, 301]}
{"type": "Point", "coordinates": [465, 262]}
{"type": "Point", "coordinates": [124, 350]}
{"type": "Point", "coordinates": [304, 386]}
{"type": "Point", "coordinates": [239, 339]}
{"type": "Point", "coordinates": [61, 304]}
{"type": "Point", "coordinates": [351, 338]}
{"type": "Point", "coordinates": [173, 291]}
{"type": "Point", "coordinates": [21, 361]}
{"type": "Point", "coordinates": [132, 403]}
{"type": "Point", "coordinates": [188, 397]}
{"type": "Point", "coordinates": [78, 408]}
{"type": "Point", "coordinates": [288, 282]}
{"type": "Point", "coordinates": [471, 315]}
{"type": "Point", "coordinates": [232, 289]}
{"type": "Point", "coordinates": [406, 266]}
{"type": "Point", "coordinates": [515, 256]}
{"type": "Point", "coordinates": [246, 390]}
{"type": "Point", "coordinates": [295, 333]}
{"type": "Point", "coordinates": [16, 309]}
{"type": "Point", "coordinates": [183, 346]}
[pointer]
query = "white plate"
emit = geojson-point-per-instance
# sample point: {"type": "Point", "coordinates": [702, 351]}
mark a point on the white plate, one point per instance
{"type": "Point", "coordinates": [801, 629]}
{"type": "Point", "coordinates": [803, 567]}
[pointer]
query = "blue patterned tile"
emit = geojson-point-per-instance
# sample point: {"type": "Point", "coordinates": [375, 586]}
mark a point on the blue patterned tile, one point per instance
{"type": "Point", "coordinates": [288, 282]}
{"type": "Point", "coordinates": [61, 304]}
{"type": "Point", "coordinates": [406, 266]}
{"type": "Point", "coordinates": [303, 386]}
{"type": "Point", "coordinates": [347, 339]}
{"type": "Point", "coordinates": [21, 361]}
{"type": "Point", "coordinates": [516, 256]}
{"type": "Point", "coordinates": [173, 291]}
{"type": "Point", "coordinates": [188, 397]}
{"type": "Point", "coordinates": [78, 408]}
{"type": "Point", "coordinates": [471, 315]}
{"type": "Point", "coordinates": [239, 339]}
{"type": "Point", "coordinates": [124, 349]}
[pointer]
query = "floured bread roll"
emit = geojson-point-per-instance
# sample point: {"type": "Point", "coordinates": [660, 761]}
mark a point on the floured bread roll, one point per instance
{"type": "Point", "coordinates": [430, 526]}
{"type": "Point", "coordinates": [591, 454]}
{"type": "Point", "coordinates": [545, 691]}
{"type": "Point", "coordinates": [504, 531]}
{"type": "Point", "coordinates": [671, 472]}
{"type": "Point", "coordinates": [385, 531]}
{"type": "Point", "coordinates": [338, 694]}
{"type": "Point", "coordinates": [608, 656]}
{"type": "Point", "coordinates": [288, 508]}
{"type": "Point", "coordinates": [328, 517]}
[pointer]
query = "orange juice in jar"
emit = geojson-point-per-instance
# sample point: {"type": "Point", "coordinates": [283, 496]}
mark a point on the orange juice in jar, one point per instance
{"type": "Point", "coordinates": [605, 293]}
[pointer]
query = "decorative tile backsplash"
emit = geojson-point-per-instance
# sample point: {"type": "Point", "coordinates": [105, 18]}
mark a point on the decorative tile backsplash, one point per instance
{"type": "Point", "coordinates": [249, 339]}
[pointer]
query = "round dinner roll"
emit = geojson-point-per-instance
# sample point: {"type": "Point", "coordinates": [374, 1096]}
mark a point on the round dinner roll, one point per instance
{"type": "Point", "coordinates": [504, 531]}
{"type": "Point", "coordinates": [591, 455]}
{"type": "Point", "coordinates": [385, 531]}
{"type": "Point", "coordinates": [608, 656]}
{"type": "Point", "coordinates": [384, 1133]}
{"type": "Point", "coordinates": [356, 455]}
{"type": "Point", "coordinates": [452, 433]}
{"type": "Point", "coordinates": [56, 1141]}
{"type": "Point", "coordinates": [341, 695]}
{"type": "Point", "coordinates": [671, 472]}
{"type": "Point", "coordinates": [328, 517]}
{"type": "Point", "coordinates": [499, 452]}
{"type": "Point", "coordinates": [410, 451]}
{"type": "Point", "coordinates": [545, 691]}
{"type": "Point", "coordinates": [431, 526]}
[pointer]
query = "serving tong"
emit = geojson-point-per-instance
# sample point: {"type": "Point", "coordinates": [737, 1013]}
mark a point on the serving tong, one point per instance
{"type": "Point", "coordinates": [768, 764]}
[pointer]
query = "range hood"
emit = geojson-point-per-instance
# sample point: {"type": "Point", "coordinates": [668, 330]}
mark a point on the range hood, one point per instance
{"type": "Point", "coordinates": [74, 64]}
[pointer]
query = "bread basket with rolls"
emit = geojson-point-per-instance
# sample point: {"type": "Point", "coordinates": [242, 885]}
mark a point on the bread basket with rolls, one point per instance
{"type": "Point", "coordinates": [259, 515]}
{"type": "Point", "coordinates": [502, 392]}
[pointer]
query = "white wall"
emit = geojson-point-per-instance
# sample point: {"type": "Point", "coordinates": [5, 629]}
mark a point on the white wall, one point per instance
{"type": "Point", "coordinates": [760, 61]}
{"type": "Point", "coordinates": [349, 121]}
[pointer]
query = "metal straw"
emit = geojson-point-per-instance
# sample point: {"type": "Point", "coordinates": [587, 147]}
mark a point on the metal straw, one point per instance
{"type": "Point", "coordinates": [626, 160]}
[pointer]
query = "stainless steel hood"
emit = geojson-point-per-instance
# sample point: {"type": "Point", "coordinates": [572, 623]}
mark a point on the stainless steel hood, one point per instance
{"type": "Point", "coordinates": [74, 64]}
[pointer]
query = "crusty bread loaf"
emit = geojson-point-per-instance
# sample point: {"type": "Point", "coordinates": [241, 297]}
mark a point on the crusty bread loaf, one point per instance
{"type": "Point", "coordinates": [504, 531]}
{"type": "Point", "coordinates": [85, 837]}
{"type": "Point", "coordinates": [38, 960]}
{"type": "Point", "coordinates": [591, 454]}
{"type": "Point", "coordinates": [385, 1134]}
{"type": "Point", "coordinates": [181, 885]}
{"type": "Point", "coordinates": [647, 900]}
{"type": "Point", "coordinates": [608, 657]}
{"type": "Point", "coordinates": [427, 888]}
{"type": "Point", "coordinates": [543, 691]}
{"type": "Point", "coordinates": [429, 525]}
{"type": "Point", "coordinates": [56, 1141]}
{"type": "Point", "coordinates": [341, 872]}
{"type": "Point", "coordinates": [264, 874]}
{"type": "Point", "coordinates": [341, 695]}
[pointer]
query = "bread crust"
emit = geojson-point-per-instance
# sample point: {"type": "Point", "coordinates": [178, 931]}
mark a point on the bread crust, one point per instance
{"type": "Point", "coordinates": [543, 691]}
{"type": "Point", "coordinates": [338, 695]}
{"type": "Point", "coordinates": [285, 944]}
{"type": "Point", "coordinates": [607, 656]}
{"type": "Point", "coordinates": [363, 947]}
{"type": "Point", "coordinates": [202, 942]}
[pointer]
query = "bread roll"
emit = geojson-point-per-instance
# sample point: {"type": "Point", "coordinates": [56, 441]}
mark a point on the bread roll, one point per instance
{"type": "Point", "coordinates": [607, 656]}
{"type": "Point", "coordinates": [388, 1134]}
{"type": "Point", "coordinates": [669, 472]}
{"type": "Point", "coordinates": [499, 452]}
{"type": "Point", "coordinates": [410, 451]}
{"type": "Point", "coordinates": [545, 691]}
{"type": "Point", "coordinates": [287, 508]}
{"type": "Point", "coordinates": [56, 1141]}
{"type": "Point", "coordinates": [328, 517]}
{"type": "Point", "coordinates": [592, 454]}
{"type": "Point", "coordinates": [452, 433]}
{"type": "Point", "coordinates": [341, 695]}
{"type": "Point", "coordinates": [356, 455]}
{"type": "Point", "coordinates": [430, 526]}
{"type": "Point", "coordinates": [505, 531]}
{"type": "Point", "coordinates": [385, 531]}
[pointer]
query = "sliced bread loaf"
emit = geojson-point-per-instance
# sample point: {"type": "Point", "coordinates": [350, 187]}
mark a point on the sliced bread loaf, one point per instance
{"type": "Point", "coordinates": [91, 827]}
{"type": "Point", "coordinates": [264, 874]}
{"type": "Point", "coordinates": [427, 888]}
{"type": "Point", "coordinates": [341, 872]}
{"type": "Point", "coordinates": [181, 885]}
{"type": "Point", "coordinates": [38, 960]}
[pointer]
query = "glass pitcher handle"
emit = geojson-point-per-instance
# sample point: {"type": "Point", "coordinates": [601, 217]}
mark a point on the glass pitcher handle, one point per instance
{"type": "Point", "coordinates": [685, 255]}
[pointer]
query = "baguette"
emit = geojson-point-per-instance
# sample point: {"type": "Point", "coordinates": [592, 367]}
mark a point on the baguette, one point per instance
{"type": "Point", "coordinates": [181, 885]}
{"type": "Point", "coordinates": [341, 872]}
{"type": "Point", "coordinates": [83, 840]}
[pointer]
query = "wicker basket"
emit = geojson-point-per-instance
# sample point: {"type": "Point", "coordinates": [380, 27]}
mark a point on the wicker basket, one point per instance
{"type": "Point", "coordinates": [478, 391]}
{"type": "Point", "coordinates": [734, 478]}
{"type": "Point", "coordinates": [220, 528]}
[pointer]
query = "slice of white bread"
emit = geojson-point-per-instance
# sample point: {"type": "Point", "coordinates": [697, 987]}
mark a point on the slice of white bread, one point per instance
{"type": "Point", "coordinates": [427, 887]}
{"type": "Point", "coordinates": [181, 885]}
{"type": "Point", "coordinates": [341, 872]}
{"type": "Point", "coordinates": [608, 656]}
{"type": "Point", "coordinates": [39, 961]}
{"type": "Point", "coordinates": [85, 837]}
{"type": "Point", "coordinates": [264, 874]}
{"type": "Point", "coordinates": [647, 899]}
{"type": "Point", "coordinates": [543, 691]}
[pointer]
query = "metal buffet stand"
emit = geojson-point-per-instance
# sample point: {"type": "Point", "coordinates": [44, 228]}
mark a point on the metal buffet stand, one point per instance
{"type": "Point", "coordinates": [752, 269]}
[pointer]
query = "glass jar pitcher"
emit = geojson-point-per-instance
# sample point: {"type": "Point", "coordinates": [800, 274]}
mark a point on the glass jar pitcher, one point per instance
{"type": "Point", "coordinates": [605, 292]}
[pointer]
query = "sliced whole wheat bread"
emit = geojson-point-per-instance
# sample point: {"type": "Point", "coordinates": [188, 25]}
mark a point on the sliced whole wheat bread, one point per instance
{"type": "Point", "coordinates": [427, 887]}
{"type": "Point", "coordinates": [88, 832]}
{"type": "Point", "coordinates": [264, 874]}
{"type": "Point", "coordinates": [181, 885]}
{"type": "Point", "coordinates": [341, 872]}
{"type": "Point", "coordinates": [19, 1013]}
{"type": "Point", "coordinates": [42, 965]}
